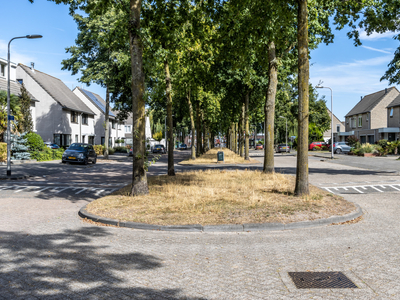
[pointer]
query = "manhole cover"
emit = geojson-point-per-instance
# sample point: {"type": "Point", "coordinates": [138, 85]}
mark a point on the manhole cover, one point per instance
{"type": "Point", "coordinates": [321, 280]}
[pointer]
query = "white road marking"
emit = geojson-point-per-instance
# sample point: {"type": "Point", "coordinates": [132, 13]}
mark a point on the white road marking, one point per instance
{"type": "Point", "coordinates": [42, 190]}
{"type": "Point", "coordinates": [394, 187]}
{"type": "Point", "coordinates": [358, 190]}
{"type": "Point", "coordinates": [84, 189]}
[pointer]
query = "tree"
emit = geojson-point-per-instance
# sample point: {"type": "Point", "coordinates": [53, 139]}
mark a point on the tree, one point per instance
{"type": "Point", "coordinates": [26, 123]}
{"type": "Point", "coordinates": [15, 111]}
{"type": "Point", "coordinates": [158, 136]}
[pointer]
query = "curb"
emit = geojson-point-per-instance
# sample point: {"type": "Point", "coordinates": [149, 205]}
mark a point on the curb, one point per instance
{"type": "Point", "coordinates": [83, 213]}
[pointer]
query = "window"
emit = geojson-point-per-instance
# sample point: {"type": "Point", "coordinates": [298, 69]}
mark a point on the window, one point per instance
{"type": "Point", "coordinates": [84, 119]}
{"type": "Point", "coordinates": [359, 121]}
{"type": "Point", "coordinates": [3, 70]}
{"type": "Point", "coordinates": [20, 81]}
{"type": "Point", "coordinates": [353, 122]}
{"type": "Point", "coordinates": [62, 139]}
{"type": "Point", "coordinates": [83, 139]}
{"type": "Point", "coordinates": [113, 124]}
{"type": "Point", "coordinates": [127, 128]}
{"type": "Point", "coordinates": [367, 118]}
{"type": "Point", "coordinates": [76, 138]}
{"type": "Point", "coordinates": [103, 140]}
{"type": "Point", "coordinates": [74, 117]}
{"type": "Point", "coordinates": [337, 127]}
{"type": "Point", "coordinates": [391, 112]}
{"type": "Point", "coordinates": [91, 140]}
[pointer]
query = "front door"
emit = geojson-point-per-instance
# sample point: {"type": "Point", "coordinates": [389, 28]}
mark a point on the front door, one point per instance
{"type": "Point", "coordinates": [363, 139]}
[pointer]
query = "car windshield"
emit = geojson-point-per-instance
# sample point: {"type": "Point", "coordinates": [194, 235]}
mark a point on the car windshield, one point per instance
{"type": "Point", "coordinates": [78, 147]}
{"type": "Point", "coordinates": [158, 146]}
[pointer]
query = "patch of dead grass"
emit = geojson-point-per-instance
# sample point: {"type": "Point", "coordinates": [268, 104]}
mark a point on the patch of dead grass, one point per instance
{"type": "Point", "coordinates": [210, 157]}
{"type": "Point", "coordinates": [220, 197]}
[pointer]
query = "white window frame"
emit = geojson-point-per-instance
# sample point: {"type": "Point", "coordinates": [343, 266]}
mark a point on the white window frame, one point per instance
{"type": "Point", "coordinates": [391, 113]}
{"type": "Point", "coordinates": [360, 121]}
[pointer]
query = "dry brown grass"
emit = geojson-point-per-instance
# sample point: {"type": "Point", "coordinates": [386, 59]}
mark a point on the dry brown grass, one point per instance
{"type": "Point", "coordinates": [210, 157]}
{"type": "Point", "coordinates": [220, 197]}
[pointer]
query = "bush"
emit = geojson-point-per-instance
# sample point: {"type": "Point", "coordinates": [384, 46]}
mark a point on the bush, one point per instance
{"type": "Point", "coordinates": [47, 154]}
{"type": "Point", "coordinates": [352, 141]}
{"type": "Point", "coordinates": [98, 149]}
{"type": "Point", "coordinates": [366, 148]}
{"type": "Point", "coordinates": [111, 151]}
{"type": "Point", "coordinates": [34, 142]}
{"type": "Point", "coordinates": [317, 148]}
{"type": "Point", "coordinates": [3, 152]}
{"type": "Point", "coordinates": [121, 149]}
{"type": "Point", "coordinates": [383, 143]}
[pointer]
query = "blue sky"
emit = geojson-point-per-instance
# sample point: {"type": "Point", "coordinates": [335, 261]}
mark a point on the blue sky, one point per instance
{"type": "Point", "coordinates": [350, 71]}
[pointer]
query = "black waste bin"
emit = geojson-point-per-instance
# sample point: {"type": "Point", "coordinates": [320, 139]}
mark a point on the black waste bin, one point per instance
{"type": "Point", "coordinates": [220, 156]}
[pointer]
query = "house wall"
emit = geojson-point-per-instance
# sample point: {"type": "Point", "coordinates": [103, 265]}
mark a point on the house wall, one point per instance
{"type": "Point", "coordinates": [336, 121]}
{"type": "Point", "coordinates": [379, 112]}
{"type": "Point", "coordinates": [395, 120]}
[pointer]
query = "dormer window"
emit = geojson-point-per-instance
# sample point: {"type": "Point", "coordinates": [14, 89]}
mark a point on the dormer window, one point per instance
{"type": "Point", "coordinates": [74, 117]}
{"type": "Point", "coordinates": [391, 112]}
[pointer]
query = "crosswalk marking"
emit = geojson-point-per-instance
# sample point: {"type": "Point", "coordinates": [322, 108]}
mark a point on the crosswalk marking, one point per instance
{"type": "Point", "coordinates": [97, 191]}
{"type": "Point", "coordinates": [363, 189]}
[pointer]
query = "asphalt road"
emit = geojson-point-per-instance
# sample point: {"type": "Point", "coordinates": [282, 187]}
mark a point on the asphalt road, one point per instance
{"type": "Point", "coordinates": [48, 252]}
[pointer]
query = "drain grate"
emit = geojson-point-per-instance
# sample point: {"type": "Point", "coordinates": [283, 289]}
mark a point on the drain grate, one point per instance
{"type": "Point", "coordinates": [321, 280]}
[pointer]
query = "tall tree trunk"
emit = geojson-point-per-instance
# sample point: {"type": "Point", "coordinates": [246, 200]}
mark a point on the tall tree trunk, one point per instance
{"type": "Point", "coordinates": [139, 178]}
{"type": "Point", "coordinates": [192, 128]}
{"type": "Point", "coordinates": [170, 137]}
{"type": "Point", "coordinates": [198, 130]}
{"type": "Point", "coordinates": [232, 136]}
{"type": "Point", "coordinates": [303, 69]}
{"type": "Point", "coordinates": [269, 110]}
{"type": "Point", "coordinates": [203, 144]}
{"type": "Point", "coordinates": [107, 125]}
{"type": "Point", "coordinates": [235, 143]}
{"type": "Point", "coordinates": [246, 121]}
{"type": "Point", "coordinates": [242, 133]}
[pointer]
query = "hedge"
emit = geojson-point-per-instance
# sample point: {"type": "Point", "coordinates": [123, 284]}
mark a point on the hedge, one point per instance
{"type": "Point", "coordinates": [47, 154]}
{"type": "Point", "coordinates": [3, 152]}
{"type": "Point", "coordinates": [34, 142]}
{"type": "Point", "coordinates": [98, 149]}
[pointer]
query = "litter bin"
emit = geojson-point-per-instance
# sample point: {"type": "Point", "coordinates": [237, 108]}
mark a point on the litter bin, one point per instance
{"type": "Point", "coordinates": [220, 156]}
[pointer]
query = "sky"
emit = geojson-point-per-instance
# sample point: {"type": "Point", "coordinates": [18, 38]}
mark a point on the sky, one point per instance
{"type": "Point", "coordinates": [351, 72]}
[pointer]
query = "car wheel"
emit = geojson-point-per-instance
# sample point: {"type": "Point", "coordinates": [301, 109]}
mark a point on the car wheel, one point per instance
{"type": "Point", "coordinates": [94, 161]}
{"type": "Point", "coordinates": [338, 151]}
{"type": "Point", "coordinates": [85, 162]}
{"type": "Point", "coordinates": [63, 161]}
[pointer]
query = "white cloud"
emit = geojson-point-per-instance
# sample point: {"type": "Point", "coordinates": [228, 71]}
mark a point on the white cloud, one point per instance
{"type": "Point", "coordinates": [375, 49]}
{"type": "Point", "coordinates": [376, 36]}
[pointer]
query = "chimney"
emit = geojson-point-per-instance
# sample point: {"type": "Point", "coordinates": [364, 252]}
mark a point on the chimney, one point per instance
{"type": "Point", "coordinates": [361, 97]}
{"type": "Point", "coordinates": [385, 91]}
{"type": "Point", "coordinates": [33, 67]}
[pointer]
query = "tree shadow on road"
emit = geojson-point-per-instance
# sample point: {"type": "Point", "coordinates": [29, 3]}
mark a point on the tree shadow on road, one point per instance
{"type": "Point", "coordinates": [73, 265]}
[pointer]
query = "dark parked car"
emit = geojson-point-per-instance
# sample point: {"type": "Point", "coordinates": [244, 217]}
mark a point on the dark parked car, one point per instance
{"type": "Point", "coordinates": [51, 145]}
{"type": "Point", "coordinates": [159, 149]}
{"type": "Point", "coordinates": [80, 153]}
{"type": "Point", "coordinates": [282, 148]}
{"type": "Point", "coordinates": [183, 147]}
{"type": "Point", "coordinates": [340, 147]}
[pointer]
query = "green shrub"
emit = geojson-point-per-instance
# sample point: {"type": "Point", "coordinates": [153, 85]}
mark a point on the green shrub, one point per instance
{"type": "Point", "coordinates": [47, 154]}
{"type": "Point", "coordinates": [317, 148]}
{"type": "Point", "coordinates": [98, 149]}
{"type": "Point", "coordinates": [383, 143]}
{"type": "Point", "coordinates": [352, 140]}
{"type": "Point", "coordinates": [121, 149]}
{"type": "Point", "coordinates": [34, 142]}
{"type": "Point", "coordinates": [367, 148]}
{"type": "Point", "coordinates": [3, 152]}
{"type": "Point", "coordinates": [111, 151]}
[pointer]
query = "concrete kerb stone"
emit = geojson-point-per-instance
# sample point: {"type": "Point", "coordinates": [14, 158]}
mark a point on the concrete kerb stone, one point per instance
{"type": "Point", "coordinates": [83, 213]}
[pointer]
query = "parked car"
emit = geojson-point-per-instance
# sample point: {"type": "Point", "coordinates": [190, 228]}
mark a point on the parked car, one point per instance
{"type": "Point", "coordinates": [316, 144]}
{"type": "Point", "coordinates": [259, 146]}
{"type": "Point", "coordinates": [282, 148]}
{"type": "Point", "coordinates": [159, 149]}
{"type": "Point", "coordinates": [340, 147]}
{"type": "Point", "coordinates": [183, 147]}
{"type": "Point", "coordinates": [51, 145]}
{"type": "Point", "coordinates": [80, 153]}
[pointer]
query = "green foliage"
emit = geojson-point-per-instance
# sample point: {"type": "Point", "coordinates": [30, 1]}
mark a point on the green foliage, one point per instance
{"type": "Point", "coordinates": [315, 133]}
{"type": "Point", "coordinates": [383, 143]}
{"type": "Point", "coordinates": [121, 149]}
{"type": "Point", "coordinates": [98, 149]}
{"type": "Point", "coordinates": [19, 149]}
{"type": "Point", "coordinates": [34, 142]}
{"type": "Point", "coordinates": [47, 154]}
{"type": "Point", "coordinates": [111, 151]}
{"type": "Point", "coordinates": [15, 111]}
{"type": "Point", "coordinates": [26, 123]}
{"type": "Point", "coordinates": [3, 152]}
{"type": "Point", "coordinates": [352, 141]}
{"type": "Point", "coordinates": [158, 136]}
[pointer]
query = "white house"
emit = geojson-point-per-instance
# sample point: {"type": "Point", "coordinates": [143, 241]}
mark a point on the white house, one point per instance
{"type": "Point", "coordinates": [61, 117]}
{"type": "Point", "coordinates": [15, 86]}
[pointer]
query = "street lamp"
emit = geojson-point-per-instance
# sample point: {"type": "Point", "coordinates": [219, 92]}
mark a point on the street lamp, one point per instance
{"type": "Point", "coordinates": [285, 131]}
{"type": "Point", "coordinates": [325, 87]}
{"type": "Point", "coordinates": [9, 117]}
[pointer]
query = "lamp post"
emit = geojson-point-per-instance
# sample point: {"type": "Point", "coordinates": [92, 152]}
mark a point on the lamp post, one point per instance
{"type": "Point", "coordinates": [9, 117]}
{"type": "Point", "coordinates": [325, 87]}
{"type": "Point", "coordinates": [285, 132]}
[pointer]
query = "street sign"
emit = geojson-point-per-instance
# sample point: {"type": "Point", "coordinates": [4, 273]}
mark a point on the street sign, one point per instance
{"type": "Point", "coordinates": [11, 118]}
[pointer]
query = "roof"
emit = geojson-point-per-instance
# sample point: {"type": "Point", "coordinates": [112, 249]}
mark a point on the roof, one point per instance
{"type": "Point", "coordinates": [15, 88]}
{"type": "Point", "coordinates": [395, 102]}
{"type": "Point", "coordinates": [58, 91]}
{"type": "Point", "coordinates": [97, 101]}
{"type": "Point", "coordinates": [367, 103]}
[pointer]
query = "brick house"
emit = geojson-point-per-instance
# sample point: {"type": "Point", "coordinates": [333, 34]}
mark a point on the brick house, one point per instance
{"type": "Point", "coordinates": [338, 127]}
{"type": "Point", "coordinates": [393, 116]}
{"type": "Point", "coordinates": [369, 118]}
